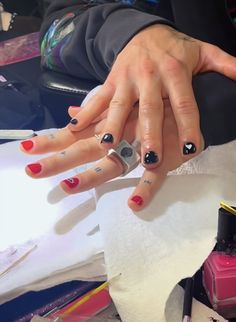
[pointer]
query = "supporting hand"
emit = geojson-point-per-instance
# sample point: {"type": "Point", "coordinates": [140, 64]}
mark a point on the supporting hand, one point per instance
{"type": "Point", "coordinates": [72, 149]}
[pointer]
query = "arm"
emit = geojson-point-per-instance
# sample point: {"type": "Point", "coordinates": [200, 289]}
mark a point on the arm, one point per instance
{"type": "Point", "coordinates": [91, 49]}
{"type": "Point", "coordinates": [101, 30]}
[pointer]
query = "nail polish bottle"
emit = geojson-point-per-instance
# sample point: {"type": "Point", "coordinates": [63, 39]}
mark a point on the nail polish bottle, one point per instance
{"type": "Point", "coordinates": [219, 270]}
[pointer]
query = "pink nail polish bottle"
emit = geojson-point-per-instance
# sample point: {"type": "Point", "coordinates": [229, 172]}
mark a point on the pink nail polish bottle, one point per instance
{"type": "Point", "coordinates": [219, 270]}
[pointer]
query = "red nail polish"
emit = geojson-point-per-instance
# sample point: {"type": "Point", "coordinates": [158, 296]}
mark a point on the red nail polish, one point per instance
{"type": "Point", "coordinates": [138, 200]}
{"type": "Point", "coordinates": [71, 182]}
{"type": "Point", "coordinates": [27, 145]}
{"type": "Point", "coordinates": [35, 167]}
{"type": "Point", "coordinates": [219, 270]}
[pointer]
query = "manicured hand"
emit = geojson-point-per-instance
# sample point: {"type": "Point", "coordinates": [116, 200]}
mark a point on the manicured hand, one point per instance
{"type": "Point", "coordinates": [71, 149]}
{"type": "Point", "coordinates": [158, 63]}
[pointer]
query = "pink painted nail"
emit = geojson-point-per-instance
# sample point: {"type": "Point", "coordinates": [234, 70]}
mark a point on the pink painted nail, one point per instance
{"type": "Point", "coordinates": [138, 200]}
{"type": "Point", "coordinates": [71, 182]}
{"type": "Point", "coordinates": [27, 145]}
{"type": "Point", "coordinates": [35, 167]}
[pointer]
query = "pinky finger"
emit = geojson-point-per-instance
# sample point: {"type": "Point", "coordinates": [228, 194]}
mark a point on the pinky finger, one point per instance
{"type": "Point", "coordinates": [103, 171]}
{"type": "Point", "coordinates": [150, 182]}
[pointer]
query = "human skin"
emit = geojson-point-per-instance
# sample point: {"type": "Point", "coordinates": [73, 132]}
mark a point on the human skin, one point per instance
{"type": "Point", "coordinates": [157, 63]}
{"type": "Point", "coordinates": [70, 149]}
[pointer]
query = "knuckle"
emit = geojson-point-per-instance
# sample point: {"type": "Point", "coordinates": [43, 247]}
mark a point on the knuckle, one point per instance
{"type": "Point", "coordinates": [118, 103]}
{"type": "Point", "coordinates": [172, 65]}
{"type": "Point", "coordinates": [185, 105]}
{"type": "Point", "coordinates": [147, 139]}
{"type": "Point", "coordinates": [147, 67]}
{"type": "Point", "coordinates": [147, 107]}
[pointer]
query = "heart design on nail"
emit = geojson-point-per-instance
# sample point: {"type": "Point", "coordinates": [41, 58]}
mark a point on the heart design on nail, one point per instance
{"type": "Point", "coordinates": [189, 146]}
{"type": "Point", "coordinates": [71, 182]}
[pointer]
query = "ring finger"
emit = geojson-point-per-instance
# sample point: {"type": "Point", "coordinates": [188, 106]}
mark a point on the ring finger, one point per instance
{"type": "Point", "coordinates": [103, 171]}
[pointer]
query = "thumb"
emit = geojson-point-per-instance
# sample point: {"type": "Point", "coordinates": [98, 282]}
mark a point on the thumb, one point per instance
{"type": "Point", "coordinates": [215, 59]}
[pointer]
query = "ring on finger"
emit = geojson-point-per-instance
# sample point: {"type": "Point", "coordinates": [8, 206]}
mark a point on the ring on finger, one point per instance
{"type": "Point", "coordinates": [126, 154]}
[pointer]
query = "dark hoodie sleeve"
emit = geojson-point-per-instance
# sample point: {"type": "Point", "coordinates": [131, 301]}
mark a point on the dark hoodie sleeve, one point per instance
{"type": "Point", "coordinates": [96, 34]}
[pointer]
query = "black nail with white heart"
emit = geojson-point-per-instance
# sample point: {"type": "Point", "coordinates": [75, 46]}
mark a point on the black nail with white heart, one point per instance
{"type": "Point", "coordinates": [189, 148]}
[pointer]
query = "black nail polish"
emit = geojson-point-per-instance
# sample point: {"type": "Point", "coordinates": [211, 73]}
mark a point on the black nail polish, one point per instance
{"type": "Point", "coordinates": [107, 138]}
{"type": "Point", "coordinates": [189, 148]}
{"type": "Point", "coordinates": [150, 157]}
{"type": "Point", "coordinates": [74, 121]}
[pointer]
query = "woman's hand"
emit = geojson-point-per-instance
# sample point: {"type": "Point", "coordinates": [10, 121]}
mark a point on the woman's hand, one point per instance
{"type": "Point", "coordinates": [75, 148]}
{"type": "Point", "coordinates": [157, 63]}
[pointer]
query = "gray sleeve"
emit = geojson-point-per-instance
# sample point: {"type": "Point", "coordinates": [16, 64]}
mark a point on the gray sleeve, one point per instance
{"type": "Point", "coordinates": [99, 34]}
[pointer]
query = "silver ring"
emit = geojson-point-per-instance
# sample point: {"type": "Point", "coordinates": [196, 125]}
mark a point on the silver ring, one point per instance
{"type": "Point", "coordinates": [127, 155]}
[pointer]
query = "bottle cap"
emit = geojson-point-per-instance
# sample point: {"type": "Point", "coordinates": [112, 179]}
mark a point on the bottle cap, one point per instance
{"type": "Point", "coordinates": [226, 235]}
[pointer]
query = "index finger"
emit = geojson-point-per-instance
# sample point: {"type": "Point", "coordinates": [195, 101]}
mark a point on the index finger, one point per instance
{"type": "Point", "coordinates": [92, 109]}
{"type": "Point", "coordinates": [58, 140]}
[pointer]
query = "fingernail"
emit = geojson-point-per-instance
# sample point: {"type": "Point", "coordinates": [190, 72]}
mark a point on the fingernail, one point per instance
{"type": "Point", "coordinates": [138, 200]}
{"type": "Point", "coordinates": [107, 138]}
{"type": "Point", "coordinates": [27, 145]}
{"type": "Point", "coordinates": [74, 121]}
{"type": "Point", "coordinates": [35, 167]}
{"type": "Point", "coordinates": [150, 157]}
{"type": "Point", "coordinates": [189, 148]}
{"type": "Point", "coordinates": [71, 182]}
{"type": "Point", "coordinates": [73, 106]}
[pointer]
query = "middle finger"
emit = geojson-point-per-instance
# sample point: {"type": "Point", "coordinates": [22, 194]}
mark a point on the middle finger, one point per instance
{"type": "Point", "coordinates": [119, 109]}
{"type": "Point", "coordinates": [151, 121]}
{"type": "Point", "coordinates": [80, 152]}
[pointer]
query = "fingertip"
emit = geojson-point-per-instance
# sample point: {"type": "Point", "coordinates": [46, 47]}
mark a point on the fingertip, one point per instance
{"type": "Point", "coordinates": [70, 185]}
{"type": "Point", "coordinates": [151, 156]}
{"type": "Point", "coordinates": [107, 141]}
{"type": "Point", "coordinates": [33, 169]}
{"type": "Point", "coordinates": [74, 107]}
{"type": "Point", "coordinates": [74, 121]}
{"type": "Point", "coordinates": [151, 159]}
{"type": "Point", "coordinates": [107, 138]}
{"type": "Point", "coordinates": [190, 150]}
{"type": "Point", "coordinates": [73, 111]}
{"type": "Point", "coordinates": [27, 146]}
{"type": "Point", "coordinates": [136, 203]}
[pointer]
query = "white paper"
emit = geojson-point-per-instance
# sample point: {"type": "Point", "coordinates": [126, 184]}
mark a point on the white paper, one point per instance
{"type": "Point", "coordinates": [168, 241]}
{"type": "Point", "coordinates": [66, 227]}
{"type": "Point", "coordinates": [14, 254]}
